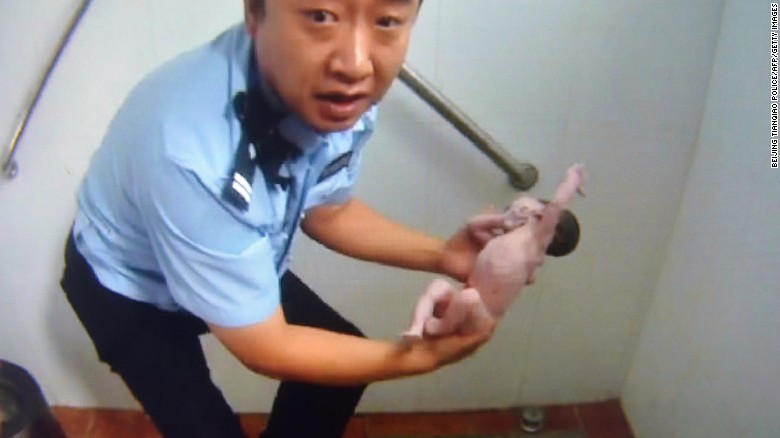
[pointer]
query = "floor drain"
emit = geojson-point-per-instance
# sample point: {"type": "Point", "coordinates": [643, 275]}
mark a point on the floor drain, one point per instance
{"type": "Point", "coordinates": [532, 419]}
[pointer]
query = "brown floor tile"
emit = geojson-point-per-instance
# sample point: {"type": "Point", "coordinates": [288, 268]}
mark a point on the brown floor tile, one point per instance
{"type": "Point", "coordinates": [253, 424]}
{"type": "Point", "coordinates": [560, 418]}
{"type": "Point", "coordinates": [113, 423]}
{"type": "Point", "coordinates": [598, 420]}
{"type": "Point", "coordinates": [356, 428]}
{"type": "Point", "coordinates": [75, 422]}
{"type": "Point", "coordinates": [433, 424]}
{"type": "Point", "coordinates": [604, 420]}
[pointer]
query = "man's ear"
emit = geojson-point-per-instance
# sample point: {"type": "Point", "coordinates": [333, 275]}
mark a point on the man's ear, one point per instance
{"type": "Point", "coordinates": [250, 17]}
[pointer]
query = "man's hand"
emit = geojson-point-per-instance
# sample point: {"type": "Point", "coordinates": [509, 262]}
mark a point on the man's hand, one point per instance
{"type": "Point", "coordinates": [444, 350]}
{"type": "Point", "coordinates": [460, 255]}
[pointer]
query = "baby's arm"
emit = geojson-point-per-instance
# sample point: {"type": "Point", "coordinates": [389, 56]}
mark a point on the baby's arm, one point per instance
{"type": "Point", "coordinates": [570, 186]}
{"type": "Point", "coordinates": [486, 226]}
{"type": "Point", "coordinates": [522, 210]}
{"type": "Point", "coordinates": [489, 225]}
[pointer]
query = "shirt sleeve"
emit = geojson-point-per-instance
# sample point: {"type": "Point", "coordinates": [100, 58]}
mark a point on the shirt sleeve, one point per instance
{"type": "Point", "coordinates": [217, 267]}
{"type": "Point", "coordinates": [335, 188]}
{"type": "Point", "coordinates": [337, 178]}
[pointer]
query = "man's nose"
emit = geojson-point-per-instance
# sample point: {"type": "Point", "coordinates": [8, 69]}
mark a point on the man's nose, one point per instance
{"type": "Point", "coordinates": [352, 58]}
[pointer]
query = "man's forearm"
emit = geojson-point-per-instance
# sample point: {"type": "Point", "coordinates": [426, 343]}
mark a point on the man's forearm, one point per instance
{"type": "Point", "coordinates": [356, 230]}
{"type": "Point", "coordinates": [319, 356]}
{"type": "Point", "coordinates": [290, 352]}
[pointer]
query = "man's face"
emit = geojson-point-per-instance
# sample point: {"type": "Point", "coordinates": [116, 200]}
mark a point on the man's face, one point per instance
{"type": "Point", "coordinates": [330, 60]}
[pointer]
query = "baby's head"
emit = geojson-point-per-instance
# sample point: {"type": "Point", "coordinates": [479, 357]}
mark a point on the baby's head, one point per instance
{"type": "Point", "coordinates": [567, 235]}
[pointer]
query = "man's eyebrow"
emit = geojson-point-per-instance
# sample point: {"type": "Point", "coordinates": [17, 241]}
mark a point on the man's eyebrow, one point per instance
{"type": "Point", "coordinates": [398, 2]}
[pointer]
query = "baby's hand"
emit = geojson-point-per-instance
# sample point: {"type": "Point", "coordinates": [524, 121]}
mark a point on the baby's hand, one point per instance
{"type": "Point", "coordinates": [522, 210]}
{"type": "Point", "coordinates": [487, 225]}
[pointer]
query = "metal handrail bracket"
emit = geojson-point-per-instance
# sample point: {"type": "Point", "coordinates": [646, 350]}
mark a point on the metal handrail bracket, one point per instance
{"type": "Point", "coordinates": [10, 168]}
{"type": "Point", "coordinates": [521, 175]}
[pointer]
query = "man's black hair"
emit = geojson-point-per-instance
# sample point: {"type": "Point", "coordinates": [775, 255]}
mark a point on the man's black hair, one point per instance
{"type": "Point", "coordinates": [258, 5]}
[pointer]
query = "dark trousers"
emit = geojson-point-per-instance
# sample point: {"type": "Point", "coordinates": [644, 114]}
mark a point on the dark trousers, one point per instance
{"type": "Point", "coordinates": [159, 356]}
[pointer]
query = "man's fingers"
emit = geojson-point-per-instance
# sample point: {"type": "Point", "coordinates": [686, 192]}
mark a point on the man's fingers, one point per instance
{"type": "Point", "coordinates": [457, 347]}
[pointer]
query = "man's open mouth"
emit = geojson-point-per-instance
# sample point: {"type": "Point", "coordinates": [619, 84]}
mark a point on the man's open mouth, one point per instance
{"type": "Point", "coordinates": [341, 106]}
{"type": "Point", "coordinates": [341, 97]}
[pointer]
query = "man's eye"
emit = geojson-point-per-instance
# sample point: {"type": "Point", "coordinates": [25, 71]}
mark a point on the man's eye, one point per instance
{"type": "Point", "coordinates": [321, 16]}
{"type": "Point", "coordinates": [388, 21]}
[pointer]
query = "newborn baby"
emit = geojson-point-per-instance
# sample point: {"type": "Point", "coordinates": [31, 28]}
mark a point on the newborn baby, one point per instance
{"type": "Point", "coordinates": [515, 244]}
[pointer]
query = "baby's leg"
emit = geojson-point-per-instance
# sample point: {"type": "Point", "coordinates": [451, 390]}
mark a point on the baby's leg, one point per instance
{"type": "Point", "coordinates": [466, 313]}
{"type": "Point", "coordinates": [479, 317]}
{"type": "Point", "coordinates": [423, 311]}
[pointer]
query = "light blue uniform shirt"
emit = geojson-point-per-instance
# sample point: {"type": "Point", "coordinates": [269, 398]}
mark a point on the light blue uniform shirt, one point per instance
{"type": "Point", "coordinates": [151, 219]}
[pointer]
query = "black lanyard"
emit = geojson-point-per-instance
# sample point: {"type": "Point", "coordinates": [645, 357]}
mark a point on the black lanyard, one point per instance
{"type": "Point", "coordinates": [261, 144]}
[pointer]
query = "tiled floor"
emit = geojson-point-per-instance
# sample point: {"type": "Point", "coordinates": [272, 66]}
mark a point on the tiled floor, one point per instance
{"type": "Point", "coordinates": [592, 420]}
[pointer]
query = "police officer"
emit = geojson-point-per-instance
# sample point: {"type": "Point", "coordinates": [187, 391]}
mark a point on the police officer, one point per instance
{"type": "Point", "coordinates": [189, 207]}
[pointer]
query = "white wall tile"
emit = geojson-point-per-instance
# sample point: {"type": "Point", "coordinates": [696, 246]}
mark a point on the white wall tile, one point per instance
{"type": "Point", "coordinates": [708, 354]}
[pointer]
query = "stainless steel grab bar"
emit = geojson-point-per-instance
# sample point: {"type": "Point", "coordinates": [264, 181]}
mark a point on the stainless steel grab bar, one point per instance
{"type": "Point", "coordinates": [521, 175]}
{"type": "Point", "coordinates": [10, 168]}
